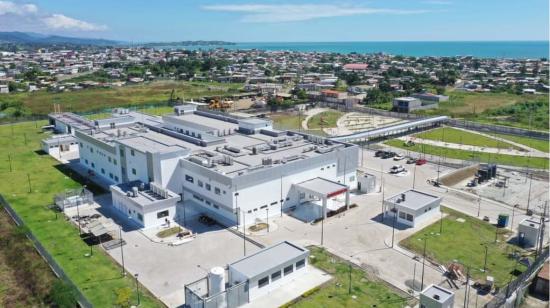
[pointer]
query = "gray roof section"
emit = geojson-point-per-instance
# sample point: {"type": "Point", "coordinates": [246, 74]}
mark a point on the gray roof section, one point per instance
{"type": "Point", "coordinates": [59, 139]}
{"type": "Point", "coordinates": [414, 199]}
{"type": "Point", "coordinates": [434, 290]}
{"type": "Point", "coordinates": [268, 258]}
{"type": "Point", "coordinates": [322, 186]}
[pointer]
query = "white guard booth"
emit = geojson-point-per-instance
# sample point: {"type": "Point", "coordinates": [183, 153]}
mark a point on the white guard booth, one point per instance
{"type": "Point", "coordinates": [412, 207]}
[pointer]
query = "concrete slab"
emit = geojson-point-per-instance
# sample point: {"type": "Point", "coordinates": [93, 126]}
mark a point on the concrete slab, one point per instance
{"type": "Point", "coordinates": [292, 289]}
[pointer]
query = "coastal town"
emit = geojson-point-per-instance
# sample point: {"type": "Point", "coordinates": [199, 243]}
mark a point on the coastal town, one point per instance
{"type": "Point", "coordinates": [219, 154]}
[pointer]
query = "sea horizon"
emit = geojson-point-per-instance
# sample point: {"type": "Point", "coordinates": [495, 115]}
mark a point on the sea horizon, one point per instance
{"type": "Point", "coordinates": [523, 49]}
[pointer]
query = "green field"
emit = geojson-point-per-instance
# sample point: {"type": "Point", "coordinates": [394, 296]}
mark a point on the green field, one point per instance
{"type": "Point", "coordinates": [509, 160]}
{"type": "Point", "coordinates": [288, 121]}
{"type": "Point", "coordinates": [496, 108]}
{"type": "Point", "coordinates": [335, 293]}
{"type": "Point", "coordinates": [329, 119]}
{"type": "Point", "coordinates": [98, 277]}
{"type": "Point", "coordinates": [465, 242]}
{"type": "Point", "coordinates": [453, 135]}
{"type": "Point", "coordinates": [41, 102]}
{"type": "Point", "coordinates": [541, 145]}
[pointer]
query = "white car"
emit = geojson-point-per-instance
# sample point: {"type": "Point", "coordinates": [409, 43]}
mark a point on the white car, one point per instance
{"type": "Point", "coordinates": [397, 169]}
{"type": "Point", "coordinates": [398, 157]}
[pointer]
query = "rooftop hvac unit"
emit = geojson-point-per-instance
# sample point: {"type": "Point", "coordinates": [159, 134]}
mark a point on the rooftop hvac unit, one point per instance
{"type": "Point", "coordinates": [199, 160]}
{"type": "Point", "coordinates": [141, 186]}
{"type": "Point", "coordinates": [232, 149]}
{"type": "Point", "coordinates": [323, 150]}
{"type": "Point", "coordinates": [273, 146]}
{"type": "Point", "coordinates": [267, 161]}
{"type": "Point", "coordinates": [134, 191]}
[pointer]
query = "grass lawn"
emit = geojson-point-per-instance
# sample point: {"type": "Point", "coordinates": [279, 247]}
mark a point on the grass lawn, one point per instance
{"type": "Point", "coordinates": [466, 242]}
{"type": "Point", "coordinates": [495, 108]}
{"type": "Point", "coordinates": [335, 293]}
{"type": "Point", "coordinates": [453, 135]}
{"type": "Point", "coordinates": [152, 110]}
{"type": "Point", "coordinates": [286, 121]}
{"type": "Point", "coordinates": [509, 160]}
{"type": "Point", "coordinates": [329, 119]}
{"type": "Point", "coordinates": [41, 102]}
{"type": "Point", "coordinates": [98, 277]}
{"type": "Point", "coordinates": [538, 144]}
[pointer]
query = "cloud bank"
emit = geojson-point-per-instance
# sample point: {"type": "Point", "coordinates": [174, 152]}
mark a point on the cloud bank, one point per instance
{"type": "Point", "coordinates": [28, 17]}
{"type": "Point", "coordinates": [272, 13]}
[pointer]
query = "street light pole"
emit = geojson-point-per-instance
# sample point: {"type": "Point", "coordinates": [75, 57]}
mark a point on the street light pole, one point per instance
{"type": "Point", "coordinates": [267, 217]}
{"type": "Point", "coordinates": [137, 288]}
{"type": "Point", "coordinates": [414, 176]}
{"type": "Point", "coordinates": [244, 234]}
{"type": "Point", "coordinates": [122, 251]}
{"type": "Point", "coordinates": [423, 265]}
{"type": "Point", "coordinates": [349, 289]}
{"type": "Point", "coordinates": [485, 262]}
{"type": "Point", "coordinates": [529, 194]}
{"type": "Point", "coordinates": [478, 205]}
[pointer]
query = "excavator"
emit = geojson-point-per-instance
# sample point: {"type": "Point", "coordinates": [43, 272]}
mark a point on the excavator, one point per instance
{"type": "Point", "coordinates": [217, 103]}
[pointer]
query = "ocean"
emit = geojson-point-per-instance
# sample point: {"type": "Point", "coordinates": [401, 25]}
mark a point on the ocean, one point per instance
{"type": "Point", "coordinates": [480, 49]}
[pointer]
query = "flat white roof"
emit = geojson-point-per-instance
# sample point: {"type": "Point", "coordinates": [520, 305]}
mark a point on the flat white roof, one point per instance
{"type": "Point", "coordinates": [323, 186]}
{"type": "Point", "coordinates": [268, 258]}
{"type": "Point", "coordinates": [414, 199]}
{"type": "Point", "coordinates": [437, 293]}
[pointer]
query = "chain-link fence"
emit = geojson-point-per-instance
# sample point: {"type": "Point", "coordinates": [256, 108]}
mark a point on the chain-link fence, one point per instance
{"type": "Point", "coordinates": [80, 298]}
{"type": "Point", "coordinates": [517, 284]}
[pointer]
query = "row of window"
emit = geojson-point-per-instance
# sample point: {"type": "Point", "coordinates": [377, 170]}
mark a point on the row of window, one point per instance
{"type": "Point", "coordinates": [207, 202]}
{"type": "Point", "coordinates": [111, 176]}
{"type": "Point", "coordinates": [277, 275]}
{"type": "Point", "coordinates": [207, 186]}
{"type": "Point", "coordinates": [265, 206]}
{"type": "Point", "coordinates": [328, 167]}
{"type": "Point", "coordinates": [109, 158]}
{"type": "Point", "coordinates": [405, 216]}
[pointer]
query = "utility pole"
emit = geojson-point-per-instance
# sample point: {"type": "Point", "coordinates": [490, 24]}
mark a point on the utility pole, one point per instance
{"type": "Point", "coordinates": [541, 235]}
{"type": "Point", "coordinates": [414, 176]}
{"type": "Point", "coordinates": [393, 227]}
{"type": "Point", "coordinates": [423, 264]}
{"type": "Point", "coordinates": [322, 228]}
{"type": "Point", "coordinates": [478, 205]}
{"type": "Point", "coordinates": [349, 289]}
{"type": "Point", "coordinates": [122, 251]}
{"type": "Point", "coordinates": [467, 287]}
{"type": "Point", "coordinates": [529, 194]}
{"type": "Point", "coordinates": [244, 234]}
{"type": "Point", "coordinates": [485, 262]}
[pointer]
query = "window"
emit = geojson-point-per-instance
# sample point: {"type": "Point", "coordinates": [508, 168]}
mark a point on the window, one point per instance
{"type": "Point", "coordinates": [134, 171]}
{"type": "Point", "coordinates": [93, 165]}
{"type": "Point", "coordinates": [91, 150]}
{"type": "Point", "coordinates": [263, 282]}
{"type": "Point", "coordinates": [114, 161]}
{"type": "Point", "coordinates": [300, 264]}
{"type": "Point", "coordinates": [208, 187]}
{"type": "Point", "coordinates": [140, 217]}
{"type": "Point", "coordinates": [208, 202]}
{"type": "Point", "coordinates": [111, 175]}
{"type": "Point", "coordinates": [121, 152]}
{"type": "Point", "coordinates": [216, 206]}
{"type": "Point", "coordinates": [217, 191]}
{"type": "Point", "coordinates": [109, 158]}
{"type": "Point", "coordinates": [273, 203]}
{"type": "Point", "coordinates": [81, 145]}
{"type": "Point", "coordinates": [102, 171]}
{"type": "Point", "coordinates": [86, 161]}
{"type": "Point", "coordinates": [402, 215]}
{"type": "Point", "coordinates": [289, 269]}
{"type": "Point", "coordinates": [189, 178]}
{"type": "Point", "coordinates": [409, 217]}
{"type": "Point", "coordinates": [132, 153]}
{"type": "Point", "coordinates": [162, 214]}
{"type": "Point", "coordinates": [199, 182]}
{"type": "Point", "coordinates": [276, 276]}
{"type": "Point", "coordinates": [116, 178]}
{"type": "Point", "coordinates": [197, 197]}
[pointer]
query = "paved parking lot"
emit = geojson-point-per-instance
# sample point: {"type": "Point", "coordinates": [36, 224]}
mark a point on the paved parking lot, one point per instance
{"type": "Point", "coordinates": [360, 236]}
{"type": "Point", "coordinates": [165, 269]}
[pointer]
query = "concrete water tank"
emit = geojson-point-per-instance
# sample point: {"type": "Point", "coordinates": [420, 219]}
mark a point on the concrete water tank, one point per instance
{"type": "Point", "coordinates": [216, 280]}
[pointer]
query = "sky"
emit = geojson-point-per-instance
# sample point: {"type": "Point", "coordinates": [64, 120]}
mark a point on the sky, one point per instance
{"type": "Point", "coordinates": [281, 21]}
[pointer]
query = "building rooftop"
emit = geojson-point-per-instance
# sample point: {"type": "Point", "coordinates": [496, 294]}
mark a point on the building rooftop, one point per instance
{"type": "Point", "coordinates": [323, 186]}
{"type": "Point", "coordinates": [146, 194]}
{"type": "Point", "coordinates": [268, 258]}
{"type": "Point", "coordinates": [437, 293]}
{"type": "Point", "coordinates": [414, 199]}
{"type": "Point", "coordinates": [530, 222]}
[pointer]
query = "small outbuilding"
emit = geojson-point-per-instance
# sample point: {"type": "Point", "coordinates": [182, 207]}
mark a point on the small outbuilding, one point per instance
{"type": "Point", "coordinates": [529, 232]}
{"type": "Point", "coordinates": [366, 183]}
{"type": "Point", "coordinates": [436, 297]}
{"type": "Point", "coordinates": [269, 268]}
{"type": "Point", "coordinates": [412, 207]}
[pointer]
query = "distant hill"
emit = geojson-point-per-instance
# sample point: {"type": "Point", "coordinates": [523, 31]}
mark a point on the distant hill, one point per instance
{"type": "Point", "coordinates": [43, 39]}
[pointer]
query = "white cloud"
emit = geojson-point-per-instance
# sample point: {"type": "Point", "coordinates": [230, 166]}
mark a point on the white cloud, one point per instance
{"type": "Point", "coordinates": [28, 17]}
{"type": "Point", "coordinates": [8, 7]}
{"type": "Point", "coordinates": [300, 12]}
{"type": "Point", "coordinates": [60, 21]}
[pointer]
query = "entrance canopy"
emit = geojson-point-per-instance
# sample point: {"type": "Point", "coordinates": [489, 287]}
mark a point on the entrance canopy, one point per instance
{"type": "Point", "coordinates": [323, 189]}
